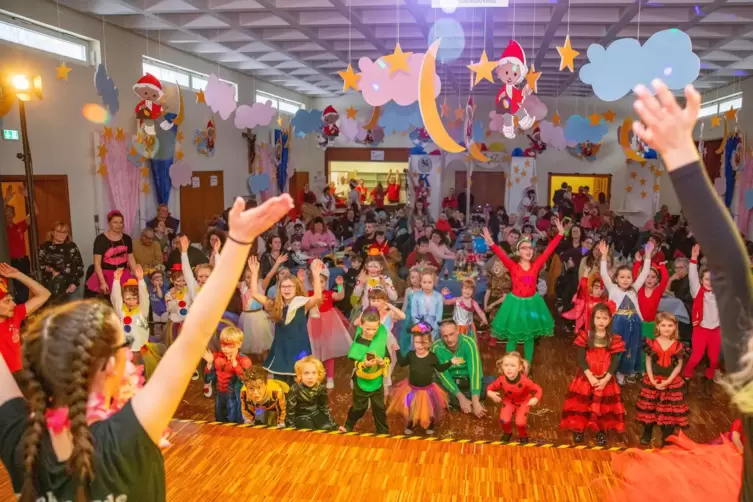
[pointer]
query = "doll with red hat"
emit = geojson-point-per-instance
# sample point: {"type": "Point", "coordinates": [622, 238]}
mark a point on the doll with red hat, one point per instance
{"type": "Point", "coordinates": [329, 130]}
{"type": "Point", "coordinates": [149, 109]}
{"type": "Point", "coordinates": [511, 70]}
{"type": "Point", "coordinates": [131, 303]}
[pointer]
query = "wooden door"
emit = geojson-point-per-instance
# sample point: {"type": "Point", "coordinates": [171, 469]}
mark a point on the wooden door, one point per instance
{"type": "Point", "coordinates": [486, 188]}
{"type": "Point", "coordinates": [199, 205]}
{"type": "Point", "coordinates": [601, 185]}
{"type": "Point", "coordinates": [51, 198]}
{"type": "Point", "coordinates": [296, 183]}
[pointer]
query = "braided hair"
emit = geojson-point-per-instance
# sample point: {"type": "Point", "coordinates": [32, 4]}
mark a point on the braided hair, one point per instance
{"type": "Point", "coordinates": [63, 349]}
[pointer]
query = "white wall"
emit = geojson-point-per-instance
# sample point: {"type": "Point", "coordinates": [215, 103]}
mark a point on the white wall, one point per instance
{"type": "Point", "coordinates": [62, 141]}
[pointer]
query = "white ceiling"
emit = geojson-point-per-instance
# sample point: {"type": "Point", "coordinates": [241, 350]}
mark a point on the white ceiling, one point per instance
{"type": "Point", "coordinates": [302, 44]}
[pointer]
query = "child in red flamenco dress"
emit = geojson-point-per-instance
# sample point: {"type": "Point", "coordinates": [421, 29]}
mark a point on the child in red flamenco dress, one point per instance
{"type": "Point", "coordinates": [663, 397]}
{"type": "Point", "coordinates": [590, 292]}
{"type": "Point", "coordinates": [594, 399]}
{"type": "Point", "coordinates": [520, 393]}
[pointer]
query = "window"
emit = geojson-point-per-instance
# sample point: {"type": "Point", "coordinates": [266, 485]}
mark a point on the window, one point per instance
{"type": "Point", "coordinates": [721, 105]}
{"type": "Point", "coordinates": [189, 79]}
{"type": "Point", "coordinates": [30, 34]}
{"type": "Point", "coordinates": [281, 104]}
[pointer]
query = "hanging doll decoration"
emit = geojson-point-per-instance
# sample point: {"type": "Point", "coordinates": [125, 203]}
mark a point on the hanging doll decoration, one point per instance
{"type": "Point", "coordinates": [205, 138]}
{"type": "Point", "coordinates": [330, 131]}
{"type": "Point", "coordinates": [512, 70]}
{"type": "Point", "coordinates": [419, 137]}
{"type": "Point", "coordinates": [149, 109]}
{"type": "Point", "coordinates": [537, 145]}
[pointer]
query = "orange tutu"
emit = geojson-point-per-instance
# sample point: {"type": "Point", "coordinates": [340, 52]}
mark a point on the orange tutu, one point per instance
{"type": "Point", "coordinates": [686, 471]}
{"type": "Point", "coordinates": [419, 405]}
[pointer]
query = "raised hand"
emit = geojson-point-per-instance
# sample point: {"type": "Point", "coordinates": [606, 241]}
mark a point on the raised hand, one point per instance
{"type": "Point", "coordinates": [253, 264]}
{"type": "Point", "coordinates": [216, 246]}
{"type": "Point", "coordinates": [558, 224]}
{"type": "Point", "coordinates": [695, 252]}
{"type": "Point", "coordinates": [301, 275]}
{"type": "Point", "coordinates": [281, 259]}
{"type": "Point", "coordinates": [487, 236]}
{"type": "Point", "coordinates": [246, 226]}
{"type": "Point", "coordinates": [603, 249]}
{"type": "Point", "coordinates": [316, 267]}
{"type": "Point", "coordinates": [139, 273]}
{"type": "Point", "coordinates": [649, 249]}
{"type": "Point", "coordinates": [183, 244]}
{"type": "Point", "coordinates": [117, 274]}
{"type": "Point", "coordinates": [8, 271]}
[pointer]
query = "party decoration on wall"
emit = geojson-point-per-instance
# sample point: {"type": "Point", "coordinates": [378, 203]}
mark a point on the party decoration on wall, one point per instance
{"type": "Point", "coordinates": [537, 144]}
{"type": "Point", "coordinates": [350, 78]}
{"type": "Point", "coordinates": [63, 71]}
{"type": "Point", "coordinates": [330, 131]}
{"type": "Point", "coordinates": [580, 130]}
{"type": "Point", "coordinates": [168, 150]}
{"type": "Point", "coordinates": [535, 107]}
{"type": "Point", "coordinates": [615, 71]}
{"type": "Point", "coordinates": [372, 137]}
{"type": "Point", "coordinates": [483, 70]}
{"type": "Point", "coordinates": [307, 121]}
{"type": "Point", "coordinates": [258, 114]}
{"type": "Point", "coordinates": [200, 97]}
{"type": "Point", "coordinates": [532, 79]}
{"type": "Point", "coordinates": [632, 146]}
{"type": "Point", "coordinates": [350, 129]}
{"type": "Point", "coordinates": [512, 71]}
{"type": "Point", "coordinates": [106, 90]}
{"type": "Point", "coordinates": [585, 150]}
{"type": "Point", "coordinates": [420, 138]}
{"type": "Point", "coordinates": [121, 177]}
{"type": "Point", "coordinates": [205, 138]}
{"type": "Point", "coordinates": [395, 118]}
{"type": "Point", "coordinates": [282, 155]}
{"type": "Point", "coordinates": [716, 121]}
{"type": "Point", "coordinates": [259, 183]}
{"type": "Point", "coordinates": [567, 55]}
{"type": "Point", "coordinates": [378, 86]}
{"type": "Point", "coordinates": [428, 105]}
{"type": "Point", "coordinates": [469, 138]}
{"type": "Point", "coordinates": [220, 97]}
{"type": "Point", "coordinates": [149, 110]}
{"type": "Point", "coordinates": [398, 60]}
{"type": "Point", "coordinates": [730, 167]}
{"type": "Point", "coordinates": [609, 116]}
{"type": "Point", "coordinates": [180, 174]}
{"type": "Point", "coordinates": [351, 112]}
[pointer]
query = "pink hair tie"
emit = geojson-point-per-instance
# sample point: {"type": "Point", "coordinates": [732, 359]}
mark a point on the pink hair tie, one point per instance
{"type": "Point", "coordinates": [57, 419]}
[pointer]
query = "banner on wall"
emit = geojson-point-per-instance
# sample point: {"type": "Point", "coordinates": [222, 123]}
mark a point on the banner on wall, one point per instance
{"type": "Point", "coordinates": [521, 184]}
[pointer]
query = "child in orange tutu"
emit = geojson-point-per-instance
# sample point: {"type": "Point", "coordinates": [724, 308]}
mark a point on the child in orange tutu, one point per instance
{"type": "Point", "coordinates": [520, 393]}
{"type": "Point", "coordinates": [419, 399]}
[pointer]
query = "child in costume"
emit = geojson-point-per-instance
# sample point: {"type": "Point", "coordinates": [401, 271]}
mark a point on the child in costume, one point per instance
{"type": "Point", "coordinates": [650, 294]}
{"type": "Point", "coordinates": [516, 392]}
{"type": "Point", "coordinates": [393, 188]}
{"type": "Point", "coordinates": [593, 399]}
{"type": "Point", "coordinates": [370, 357]}
{"type": "Point", "coordinates": [288, 311]}
{"type": "Point", "coordinates": [663, 397]}
{"type": "Point", "coordinates": [158, 289]}
{"type": "Point", "coordinates": [406, 336]}
{"type": "Point", "coordinates": [707, 337]}
{"type": "Point", "coordinates": [329, 334]}
{"type": "Point", "coordinates": [427, 304]}
{"type": "Point", "coordinates": [628, 321]}
{"type": "Point", "coordinates": [498, 287]}
{"type": "Point", "coordinates": [307, 406]}
{"type": "Point", "coordinates": [419, 399]}
{"type": "Point", "coordinates": [590, 293]}
{"type": "Point", "coordinates": [131, 304]}
{"type": "Point", "coordinates": [465, 306]}
{"type": "Point", "coordinates": [263, 401]}
{"type": "Point", "coordinates": [524, 316]}
{"type": "Point", "coordinates": [258, 330]}
{"type": "Point", "coordinates": [223, 371]}
{"type": "Point", "coordinates": [373, 275]}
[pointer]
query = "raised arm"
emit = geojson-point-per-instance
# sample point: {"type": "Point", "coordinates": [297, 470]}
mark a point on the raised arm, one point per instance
{"type": "Point", "coordinates": [693, 279]}
{"type": "Point", "coordinates": [641, 279]}
{"type": "Point", "coordinates": [38, 293]}
{"type": "Point", "coordinates": [543, 257]}
{"type": "Point", "coordinates": [156, 403]}
{"type": "Point", "coordinates": [116, 295]}
{"type": "Point", "coordinates": [259, 296]}
{"type": "Point", "coordinates": [144, 302]}
{"type": "Point", "coordinates": [603, 271]}
{"type": "Point", "coordinates": [316, 269]}
{"type": "Point", "coordinates": [506, 260]}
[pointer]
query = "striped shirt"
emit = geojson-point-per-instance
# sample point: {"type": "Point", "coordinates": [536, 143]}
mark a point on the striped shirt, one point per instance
{"type": "Point", "coordinates": [470, 368]}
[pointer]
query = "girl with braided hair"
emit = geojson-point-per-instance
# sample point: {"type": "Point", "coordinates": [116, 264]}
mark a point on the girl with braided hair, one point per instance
{"type": "Point", "coordinates": [51, 442]}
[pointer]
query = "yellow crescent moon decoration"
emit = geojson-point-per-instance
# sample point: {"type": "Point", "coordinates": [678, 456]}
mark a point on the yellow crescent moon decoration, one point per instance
{"type": "Point", "coordinates": [724, 139]}
{"type": "Point", "coordinates": [428, 105]}
{"type": "Point", "coordinates": [624, 140]}
{"type": "Point", "coordinates": [374, 118]}
{"type": "Point", "coordinates": [477, 154]}
{"type": "Point", "coordinates": [179, 118]}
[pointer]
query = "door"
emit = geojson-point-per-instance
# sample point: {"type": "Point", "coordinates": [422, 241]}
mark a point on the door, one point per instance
{"type": "Point", "coordinates": [296, 183]}
{"type": "Point", "coordinates": [201, 202]}
{"type": "Point", "coordinates": [51, 198]}
{"type": "Point", "coordinates": [486, 188]}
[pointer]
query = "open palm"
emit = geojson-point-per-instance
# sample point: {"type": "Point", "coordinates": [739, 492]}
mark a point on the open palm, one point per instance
{"type": "Point", "coordinates": [247, 225]}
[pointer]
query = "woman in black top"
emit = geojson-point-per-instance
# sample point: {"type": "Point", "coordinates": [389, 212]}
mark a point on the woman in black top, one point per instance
{"type": "Point", "coordinates": [60, 248]}
{"type": "Point", "coordinates": [669, 130]}
{"type": "Point", "coordinates": [113, 249]}
{"type": "Point", "coordinates": [49, 443]}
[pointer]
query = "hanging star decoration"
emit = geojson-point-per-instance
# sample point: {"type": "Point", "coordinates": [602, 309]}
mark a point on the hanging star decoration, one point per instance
{"type": "Point", "coordinates": [200, 97]}
{"type": "Point", "coordinates": [516, 169]}
{"type": "Point", "coordinates": [517, 180]}
{"type": "Point", "coordinates": [102, 169]}
{"type": "Point", "coordinates": [567, 55]}
{"type": "Point", "coordinates": [107, 133]}
{"type": "Point", "coordinates": [63, 71]}
{"type": "Point", "coordinates": [609, 116]}
{"type": "Point", "coordinates": [398, 60]}
{"type": "Point", "coordinates": [524, 173]}
{"type": "Point", "coordinates": [716, 120]}
{"type": "Point", "coordinates": [528, 163]}
{"type": "Point", "coordinates": [178, 155]}
{"type": "Point", "coordinates": [656, 188]}
{"type": "Point", "coordinates": [484, 69]}
{"type": "Point", "coordinates": [730, 114]}
{"type": "Point", "coordinates": [446, 109]}
{"type": "Point", "coordinates": [509, 183]}
{"type": "Point", "coordinates": [179, 136]}
{"type": "Point", "coordinates": [634, 175]}
{"type": "Point", "coordinates": [145, 188]}
{"type": "Point", "coordinates": [643, 194]}
{"type": "Point", "coordinates": [102, 151]}
{"type": "Point", "coordinates": [459, 113]}
{"type": "Point", "coordinates": [629, 188]}
{"type": "Point", "coordinates": [642, 181]}
{"type": "Point", "coordinates": [351, 112]}
{"type": "Point", "coordinates": [532, 77]}
{"type": "Point", "coordinates": [556, 118]}
{"type": "Point", "coordinates": [534, 179]}
{"type": "Point", "coordinates": [132, 152]}
{"type": "Point", "coordinates": [144, 172]}
{"type": "Point", "coordinates": [119, 134]}
{"type": "Point", "coordinates": [350, 78]}
{"type": "Point", "coordinates": [594, 118]}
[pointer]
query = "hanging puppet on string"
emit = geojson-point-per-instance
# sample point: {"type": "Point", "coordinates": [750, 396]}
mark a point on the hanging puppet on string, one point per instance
{"type": "Point", "coordinates": [149, 111]}
{"type": "Point", "coordinates": [511, 70]}
{"type": "Point", "coordinates": [330, 131]}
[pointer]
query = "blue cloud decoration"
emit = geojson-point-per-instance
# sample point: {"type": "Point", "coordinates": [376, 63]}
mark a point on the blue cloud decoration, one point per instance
{"type": "Point", "coordinates": [613, 72]}
{"type": "Point", "coordinates": [580, 130]}
{"type": "Point", "coordinates": [306, 122]}
{"type": "Point", "coordinates": [106, 90]}
{"type": "Point", "coordinates": [258, 183]}
{"type": "Point", "coordinates": [396, 118]}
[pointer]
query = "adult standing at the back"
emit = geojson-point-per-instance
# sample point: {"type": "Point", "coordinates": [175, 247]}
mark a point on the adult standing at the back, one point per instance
{"type": "Point", "coordinates": [163, 215]}
{"type": "Point", "coordinates": [19, 258]}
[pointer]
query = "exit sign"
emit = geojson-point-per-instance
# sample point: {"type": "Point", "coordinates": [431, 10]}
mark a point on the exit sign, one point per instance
{"type": "Point", "coordinates": [10, 134]}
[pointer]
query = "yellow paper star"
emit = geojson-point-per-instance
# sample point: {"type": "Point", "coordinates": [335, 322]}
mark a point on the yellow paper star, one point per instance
{"type": "Point", "coordinates": [629, 188]}
{"type": "Point", "coordinates": [656, 188]}
{"type": "Point", "coordinates": [643, 194]}
{"type": "Point", "coordinates": [132, 152]}
{"type": "Point", "coordinates": [144, 172]}
{"type": "Point", "coordinates": [524, 173]}
{"type": "Point", "coordinates": [532, 77]}
{"type": "Point", "coordinates": [200, 97]}
{"type": "Point", "coordinates": [528, 163]}
{"type": "Point", "coordinates": [197, 140]}
{"type": "Point", "coordinates": [107, 133]}
{"type": "Point", "coordinates": [140, 139]}
{"type": "Point", "coordinates": [730, 114]}
{"type": "Point", "coordinates": [534, 179]}
{"type": "Point", "coordinates": [179, 136]}
{"type": "Point", "coordinates": [595, 118]}
{"type": "Point", "coordinates": [178, 155]}
{"type": "Point", "coordinates": [102, 169]}
{"type": "Point", "coordinates": [716, 120]}
{"type": "Point", "coordinates": [141, 160]}
{"type": "Point", "coordinates": [459, 112]}
{"type": "Point", "coordinates": [351, 112]}
{"type": "Point", "coordinates": [350, 78]}
{"type": "Point", "coordinates": [145, 188]}
{"type": "Point", "coordinates": [517, 180]}
{"type": "Point", "coordinates": [119, 134]}
{"type": "Point", "coordinates": [516, 170]}
{"type": "Point", "coordinates": [398, 60]}
{"type": "Point", "coordinates": [556, 118]}
{"type": "Point", "coordinates": [102, 151]}
{"type": "Point", "coordinates": [483, 69]}
{"type": "Point", "coordinates": [642, 181]}
{"type": "Point", "coordinates": [609, 116]}
{"type": "Point", "coordinates": [634, 175]}
{"type": "Point", "coordinates": [509, 183]}
{"type": "Point", "coordinates": [567, 55]}
{"type": "Point", "coordinates": [63, 72]}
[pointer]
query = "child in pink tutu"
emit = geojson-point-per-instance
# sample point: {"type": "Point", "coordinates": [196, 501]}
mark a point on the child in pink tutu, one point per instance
{"type": "Point", "coordinates": [419, 399]}
{"type": "Point", "coordinates": [329, 333]}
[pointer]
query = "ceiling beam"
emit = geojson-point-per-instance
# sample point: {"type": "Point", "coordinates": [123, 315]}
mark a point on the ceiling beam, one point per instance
{"type": "Point", "coordinates": [551, 29]}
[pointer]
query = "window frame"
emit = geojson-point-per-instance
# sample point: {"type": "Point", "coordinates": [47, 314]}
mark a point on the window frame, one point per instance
{"type": "Point", "coordinates": [722, 105]}
{"type": "Point", "coordinates": [263, 97]}
{"type": "Point", "coordinates": [188, 73]}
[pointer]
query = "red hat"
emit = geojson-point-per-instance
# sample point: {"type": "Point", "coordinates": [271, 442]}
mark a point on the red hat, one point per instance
{"type": "Point", "coordinates": [148, 81]}
{"type": "Point", "coordinates": [176, 268]}
{"type": "Point", "coordinates": [514, 54]}
{"type": "Point", "coordinates": [330, 110]}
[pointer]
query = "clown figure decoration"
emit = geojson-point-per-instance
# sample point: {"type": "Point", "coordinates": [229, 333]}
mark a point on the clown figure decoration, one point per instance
{"type": "Point", "coordinates": [329, 130]}
{"type": "Point", "coordinates": [149, 109]}
{"type": "Point", "coordinates": [511, 70]}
